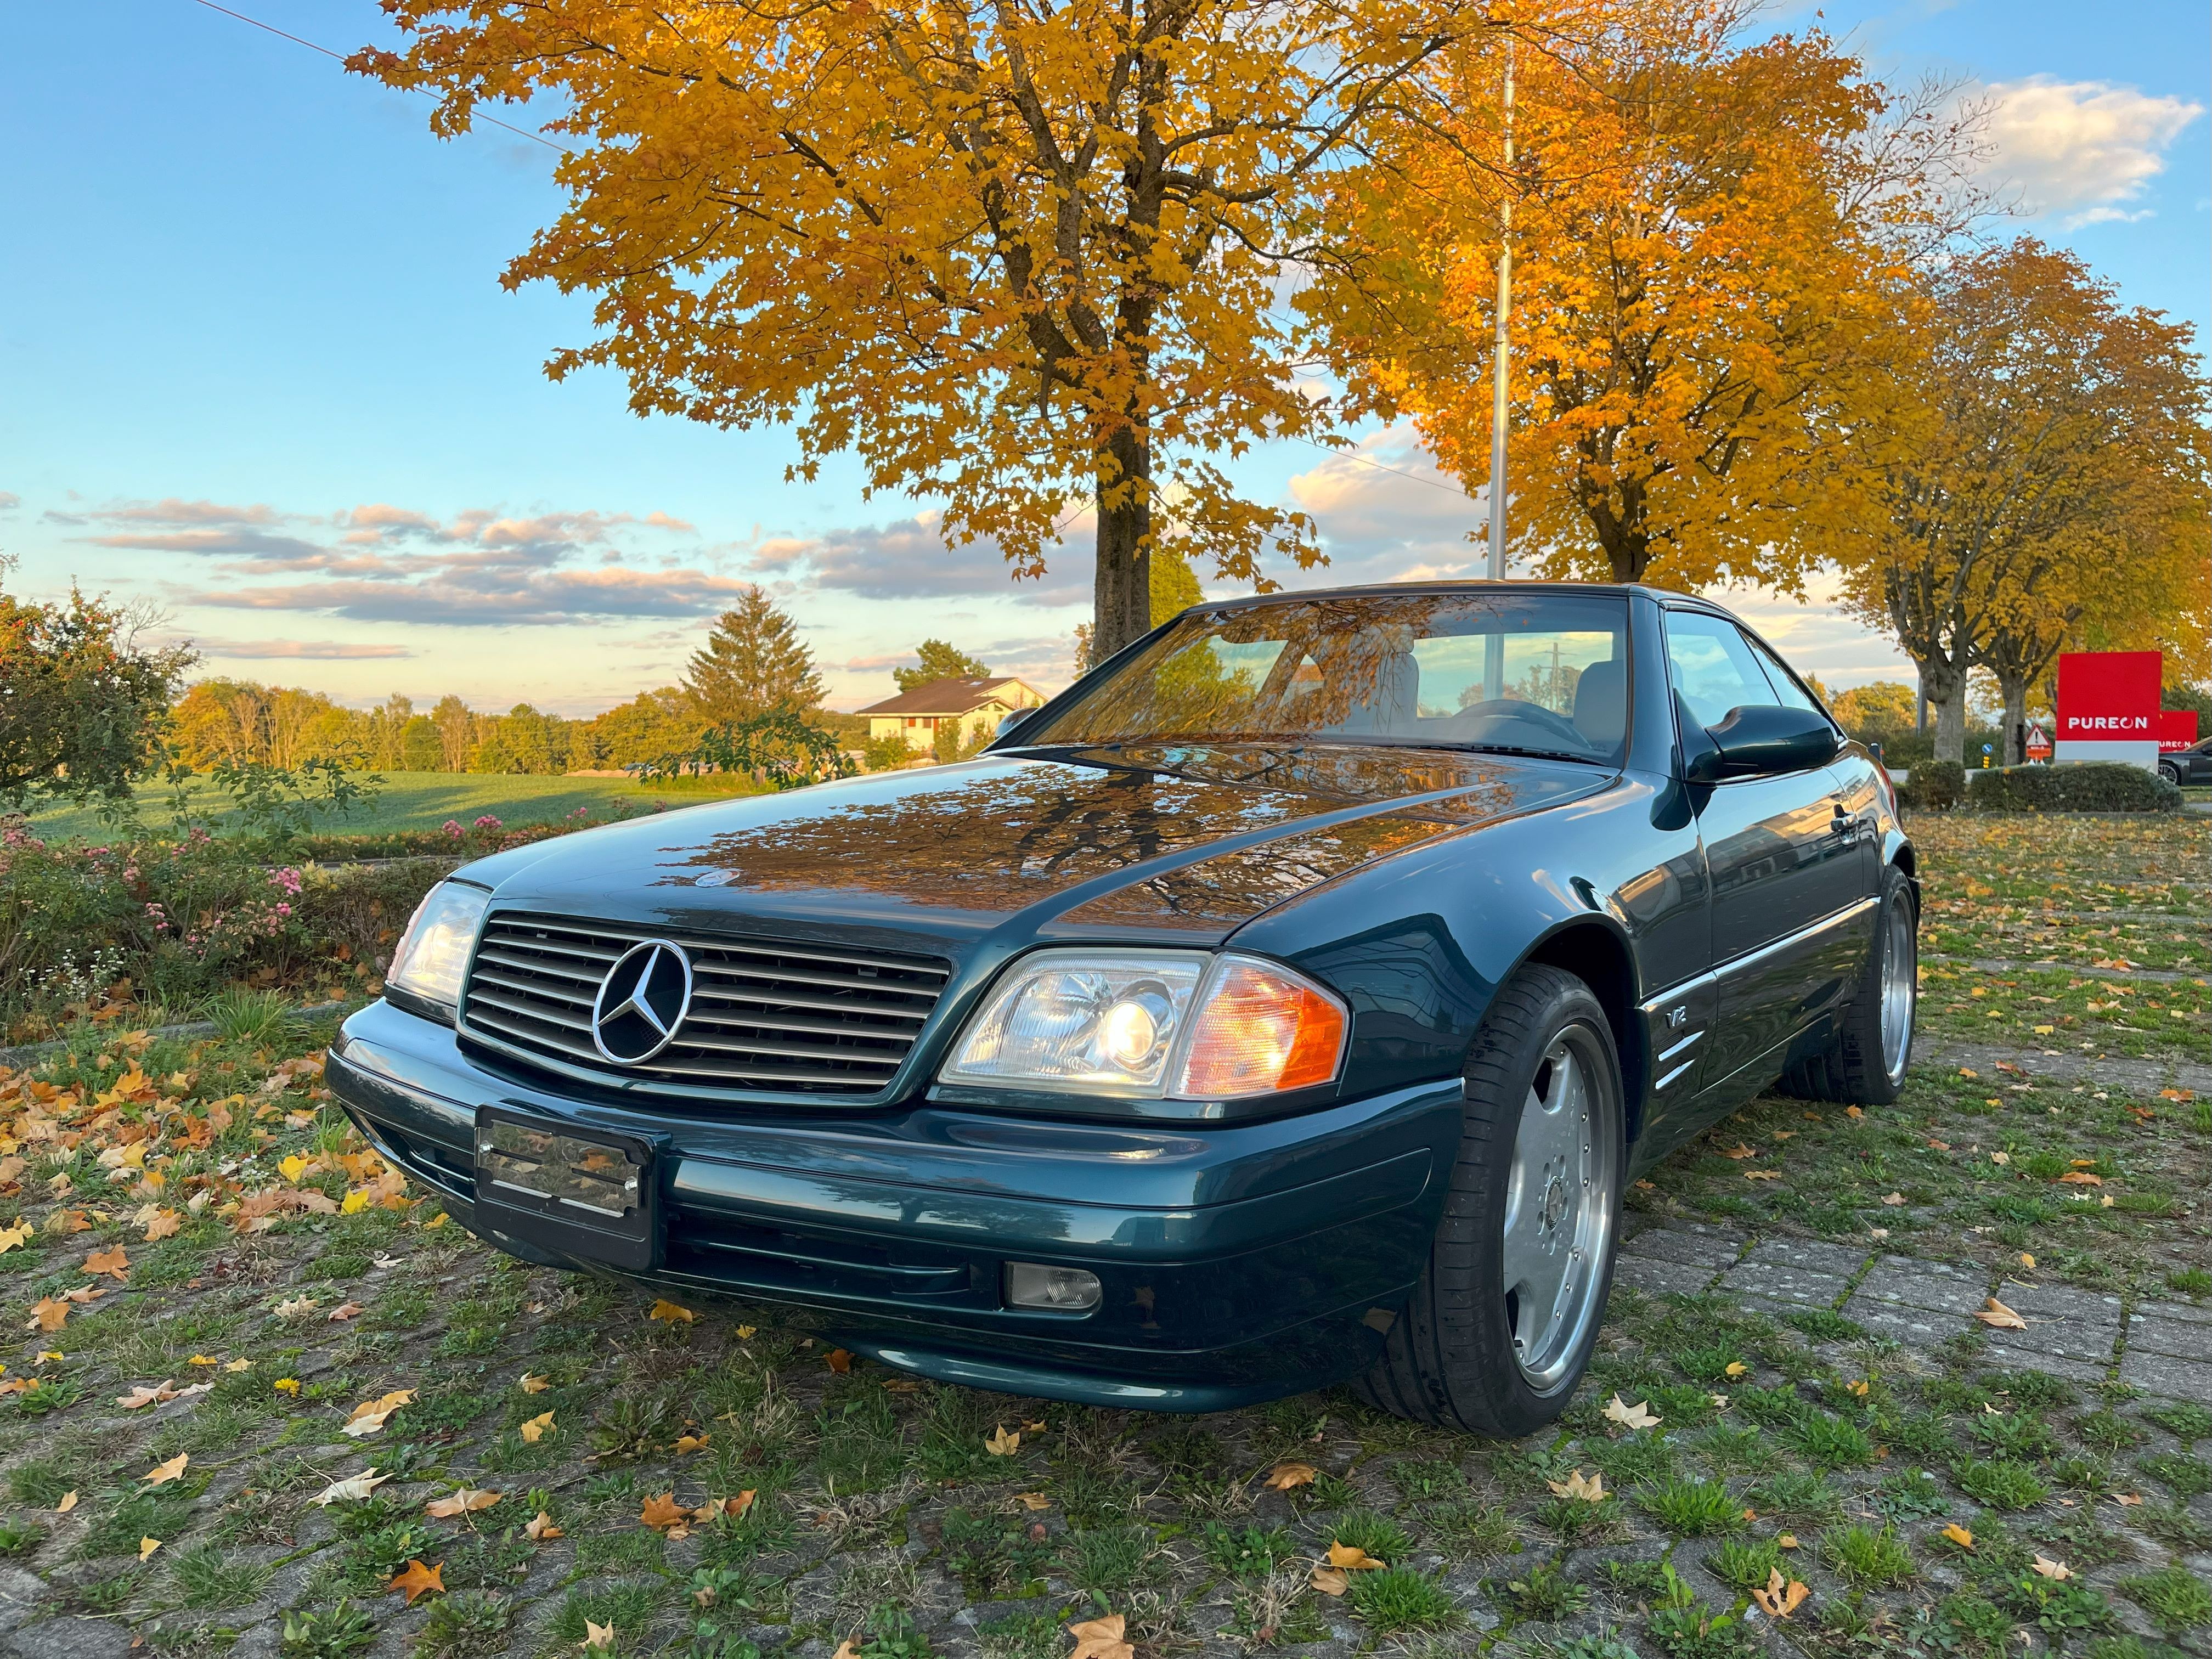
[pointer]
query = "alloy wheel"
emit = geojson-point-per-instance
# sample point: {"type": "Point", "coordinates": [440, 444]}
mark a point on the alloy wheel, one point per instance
{"type": "Point", "coordinates": [1560, 1202]}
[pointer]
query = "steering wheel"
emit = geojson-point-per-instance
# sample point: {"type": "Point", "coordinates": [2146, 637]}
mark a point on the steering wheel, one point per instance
{"type": "Point", "coordinates": [1534, 713]}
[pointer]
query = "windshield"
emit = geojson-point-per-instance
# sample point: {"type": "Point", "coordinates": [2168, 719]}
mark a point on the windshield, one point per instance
{"type": "Point", "coordinates": [1533, 672]}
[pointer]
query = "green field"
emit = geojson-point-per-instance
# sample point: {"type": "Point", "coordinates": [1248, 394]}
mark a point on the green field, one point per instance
{"type": "Point", "coordinates": [421, 800]}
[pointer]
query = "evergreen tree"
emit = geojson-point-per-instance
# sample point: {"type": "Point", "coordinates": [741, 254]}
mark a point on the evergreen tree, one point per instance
{"type": "Point", "coordinates": [754, 662]}
{"type": "Point", "coordinates": [939, 661]}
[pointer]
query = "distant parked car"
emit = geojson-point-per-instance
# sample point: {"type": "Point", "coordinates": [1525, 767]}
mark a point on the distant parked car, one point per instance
{"type": "Point", "coordinates": [2189, 765]}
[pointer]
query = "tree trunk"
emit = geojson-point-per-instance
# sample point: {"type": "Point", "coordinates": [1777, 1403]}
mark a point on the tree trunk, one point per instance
{"type": "Point", "coordinates": [2015, 717]}
{"type": "Point", "coordinates": [1944, 684]}
{"type": "Point", "coordinates": [1121, 581]}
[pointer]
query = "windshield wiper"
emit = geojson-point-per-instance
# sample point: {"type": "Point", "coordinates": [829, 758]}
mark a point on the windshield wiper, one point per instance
{"type": "Point", "coordinates": [1533, 754]}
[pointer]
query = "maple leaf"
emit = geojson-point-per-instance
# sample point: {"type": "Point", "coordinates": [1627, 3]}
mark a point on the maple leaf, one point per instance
{"type": "Point", "coordinates": [538, 1427]}
{"type": "Point", "coordinates": [51, 1314]}
{"type": "Point", "coordinates": [147, 1547]}
{"type": "Point", "coordinates": [1893, 1199]}
{"type": "Point", "coordinates": [16, 1237]}
{"type": "Point", "coordinates": [1033, 1501]}
{"type": "Point", "coordinates": [1739, 1151]}
{"type": "Point", "coordinates": [2081, 1178]}
{"type": "Point", "coordinates": [298, 1307]}
{"type": "Point", "coordinates": [1736, 1368]}
{"type": "Point", "coordinates": [1002, 1442]}
{"type": "Point", "coordinates": [1999, 1317]}
{"type": "Point", "coordinates": [1762, 1175]}
{"type": "Point", "coordinates": [146, 1394]}
{"type": "Point", "coordinates": [1103, 1637]}
{"type": "Point", "coordinates": [1329, 1580]}
{"type": "Point", "coordinates": [1787, 1540]}
{"type": "Point", "coordinates": [1285, 1476]}
{"type": "Point", "coordinates": [161, 1474]}
{"type": "Point", "coordinates": [2050, 1569]}
{"type": "Point", "coordinates": [371, 1415]}
{"type": "Point", "coordinates": [685, 1444]}
{"type": "Point", "coordinates": [1637, 1416]}
{"type": "Point", "coordinates": [419, 1580]}
{"type": "Point", "coordinates": [745, 1333]}
{"type": "Point", "coordinates": [669, 1313]}
{"type": "Point", "coordinates": [1959, 1536]}
{"type": "Point", "coordinates": [351, 1490]}
{"type": "Point", "coordinates": [1350, 1557]}
{"type": "Point", "coordinates": [163, 1224]}
{"type": "Point", "coordinates": [2000, 1157]}
{"type": "Point", "coordinates": [236, 1364]}
{"type": "Point", "coordinates": [464, 1501]}
{"type": "Point", "coordinates": [662, 1510]}
{"type": "Point", "coordinates": [838, 1361]}
{"type": "Point", "coordinates": [1781, 1596]}
{"type": "Point", "coordinates": [540, 1527]}
{"type": "Point", "coordinates": [1590, 1488]}
{"type": "Point", "coordinates": [601, 1637]}
{"type": "Point", "coordinates": [345, 1310]}
{"type": "Point", "coordinates": [533, 1383]}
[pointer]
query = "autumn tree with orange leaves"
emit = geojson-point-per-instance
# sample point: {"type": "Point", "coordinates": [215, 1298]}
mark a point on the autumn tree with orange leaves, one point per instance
{"type": "Point", "coordinates": [1709, 243]}
{"type": "Point", "coordinates": [1023, 258]}
{"type": "Point", "coordinates": [2055, 491]}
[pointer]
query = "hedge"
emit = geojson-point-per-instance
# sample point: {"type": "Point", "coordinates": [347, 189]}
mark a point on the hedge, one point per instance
{"type": "Point", "coordinates": [2086, 786]}
{"type": "Point", "coordinates": [1934, 786]}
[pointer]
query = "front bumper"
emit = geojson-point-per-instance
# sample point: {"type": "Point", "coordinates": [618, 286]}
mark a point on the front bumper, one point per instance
{"type": "Point", "coordinates": [1237, 1262]}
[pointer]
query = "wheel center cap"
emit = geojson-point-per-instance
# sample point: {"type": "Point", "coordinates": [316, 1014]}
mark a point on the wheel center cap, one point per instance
{"type": "Point", "coordinates": [1555, 1202]}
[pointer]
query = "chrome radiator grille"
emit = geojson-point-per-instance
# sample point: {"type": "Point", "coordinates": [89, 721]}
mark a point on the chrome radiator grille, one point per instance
{"type": "Point", "coordinates": [764, 1018]}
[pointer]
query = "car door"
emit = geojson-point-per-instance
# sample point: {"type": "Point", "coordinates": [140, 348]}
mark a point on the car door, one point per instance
{"type": "Point", "coordinates": [1783, 856]}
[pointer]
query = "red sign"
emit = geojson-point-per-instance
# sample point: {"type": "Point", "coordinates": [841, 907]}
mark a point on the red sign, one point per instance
{"type": "Point", "coordinates": [2038, 742]}
{"type": "Point", "coordinates": [2108, 697]}
{"type": "Point", "coordinates": [2177, 730]}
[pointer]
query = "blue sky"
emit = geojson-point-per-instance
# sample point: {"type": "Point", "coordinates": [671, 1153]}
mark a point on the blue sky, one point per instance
{"type": "Point", "coordinates": [250, 314]}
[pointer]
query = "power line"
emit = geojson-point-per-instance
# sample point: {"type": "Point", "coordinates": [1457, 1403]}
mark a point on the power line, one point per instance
{"type": "Point", "coordinates": [1369, 460]}
{"type": "Point", "coordinates": [491, 120]}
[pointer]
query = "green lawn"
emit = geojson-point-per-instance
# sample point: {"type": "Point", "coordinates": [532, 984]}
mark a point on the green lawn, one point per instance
{"type": "Point", "coordinates": [424, 800]}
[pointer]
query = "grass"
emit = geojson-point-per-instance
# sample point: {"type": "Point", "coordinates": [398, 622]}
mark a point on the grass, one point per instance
{"type": "Point", "coordinates": [424, 800]}
{"type": "Point", "coordinates": [1797, 1439]}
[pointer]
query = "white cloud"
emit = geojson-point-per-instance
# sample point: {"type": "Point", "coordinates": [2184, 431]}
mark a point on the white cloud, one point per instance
{"type": "Point", "coordinates": [2080, 148]}
{"type": "Point", "coordinates": [1387, 513]}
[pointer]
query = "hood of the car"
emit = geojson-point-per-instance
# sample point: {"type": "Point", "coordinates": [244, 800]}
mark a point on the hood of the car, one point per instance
{"type": "Point", "coordinates": [1187, 843]}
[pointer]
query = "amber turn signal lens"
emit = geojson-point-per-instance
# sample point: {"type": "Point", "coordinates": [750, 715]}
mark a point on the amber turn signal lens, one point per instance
{"type": "Point", "coordinates": [1261, 1030]}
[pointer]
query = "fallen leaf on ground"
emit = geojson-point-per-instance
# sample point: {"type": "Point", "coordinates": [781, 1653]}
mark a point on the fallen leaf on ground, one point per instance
{"type": "Point", "coordinates": [1637, 1416]}
{"type": "Point", "coordinates": [418, 1580]}
{"type": "Point", "coordinates": [238, 1365]}
{"type": "Point", "coordinates": [668, 1312]}
{"type": "Point", "coordinates": [1002, 1442]}
{"type": "Point", "coordinates": [1893, 1199]}
{"type": "Point", "coordinates": [838, 1360]}
{"type": "Point", "coordinates": [298, 1307]}
{"type": "Point", "coordinates": [1285, 1476]}
{"type": "Point", "coordinates": [370, 1416]}
{"type": "Point", "coordinates": [1590, 1488]}
{"type": "Point", "coordinates": [467, 1501]}
{"type": "Point", "coordinates": [540, 1425]}
{"type": "Point", "coordinates": [2081, 1178]}
{"type": "Point", "coordinates": [68, 1503]}
{"type": "Point", "coordinates": [2050, 1569]}
{"type": "Point", "coordinates": [2000, 1157]}
{"type": "Point", "coordinates": [533, 1383]}
{"type": "Point", "coordinates": [1737, 1368]}
{"type": "Point", "coordinates": [662, 1510]}
{"type": "Point", "coordinates": [1350, 1557]}
{"type": "Point", "coordinates": [685, 1444]}
{"type": "Point", "coordinates": [540, 1526]}
{"type": "Point", "coordinates": [1100, 1638]}
{"type": "Point", "coordinates": [115, 1263]}
{"type": "Point", "coordinates": [147, 1547]}
{"type": "Point", "coordinates": [161, 1474]}
{"type": "Point", "coordinates": [602, 1637]}
{"type": "Point", "coordinates": [1033, 1501]}
{"type": "Point", "coordinates": [1762, 1175]}
{"type": "Point", "coordinates": [15, 1236]}
{"type": "Point", "coordinates": [1739, 1151]}
{"type": "Point", "coordinates": [1781, 1596]}
{"type": "Point", "coordinates": [351, 1490]}
{"type": "Point", "coordinates": [1329, 1582]}
{"type": "Point", "coordinates": [1959, 1536]}
{"type": "Point", "coordinates": [745, 1333]}
{"type": "Point", "coordinates": [345, 1310]}
{"type": "Point", "coordinates": [1999, 1317]}
{"type": "Point", "coordinates": [1787, 1540]}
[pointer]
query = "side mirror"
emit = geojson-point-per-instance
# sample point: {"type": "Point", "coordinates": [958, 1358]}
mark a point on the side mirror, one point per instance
{"type": "Point", "coordinates": [1764, 742]}
{"type": "Point", "coordinates": [1007, 722]}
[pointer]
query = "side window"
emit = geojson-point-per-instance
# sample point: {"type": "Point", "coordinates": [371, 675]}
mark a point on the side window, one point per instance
{"type": "Point", "coordinates": [1787, 691]}
{"type": "Point", "coordinates": [1711, 666]}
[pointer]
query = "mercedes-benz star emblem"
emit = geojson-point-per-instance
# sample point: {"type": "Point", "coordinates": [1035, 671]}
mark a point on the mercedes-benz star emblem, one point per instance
{"type": "Point", "coordinates": [641, 1001]}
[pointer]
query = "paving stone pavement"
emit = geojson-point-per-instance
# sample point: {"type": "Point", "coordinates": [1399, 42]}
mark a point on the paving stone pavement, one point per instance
{"type": "Point", "coordinates": [2142, 1076]}
{"type": "Point", "coordinates": [2162, 1346]}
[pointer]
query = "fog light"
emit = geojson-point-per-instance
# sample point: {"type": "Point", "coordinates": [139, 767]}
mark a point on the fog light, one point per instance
{"type": "Point", "coordinates": [1062, 1290]}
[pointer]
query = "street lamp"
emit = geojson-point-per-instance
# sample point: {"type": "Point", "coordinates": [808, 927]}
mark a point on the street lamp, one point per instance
{"type": "Point", "coordinates": [1494, 668]}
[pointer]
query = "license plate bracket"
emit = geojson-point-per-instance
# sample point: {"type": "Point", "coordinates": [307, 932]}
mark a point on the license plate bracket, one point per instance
{"type": "Point", "coordinates": [588, 1193]}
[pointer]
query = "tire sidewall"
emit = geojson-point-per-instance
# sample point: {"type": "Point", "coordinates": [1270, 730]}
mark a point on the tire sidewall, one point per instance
{"type": "Point", "coordinates": [1496, 1371]}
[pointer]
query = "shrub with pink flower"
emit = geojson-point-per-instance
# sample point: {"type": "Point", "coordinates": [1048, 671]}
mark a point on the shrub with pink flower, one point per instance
{"type": "Point", "coordinates": [487, 823]}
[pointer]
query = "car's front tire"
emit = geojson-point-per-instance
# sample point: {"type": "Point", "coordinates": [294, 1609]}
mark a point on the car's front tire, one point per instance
{"type": "Point", "coordinates": [1502, 1324]}
{"type": "Point", "coordinates": [1865, 1063]}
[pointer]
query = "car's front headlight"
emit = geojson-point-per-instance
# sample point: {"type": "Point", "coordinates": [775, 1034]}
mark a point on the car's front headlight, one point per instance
{"type": "Point", "coordinates": [433, 952]}
{"type": "Point", "coordinates": [1149, 1024]}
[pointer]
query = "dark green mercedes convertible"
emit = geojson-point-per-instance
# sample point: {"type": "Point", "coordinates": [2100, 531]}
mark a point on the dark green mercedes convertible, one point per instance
{"type": "Point", "coordinates": [1287, 1001]}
